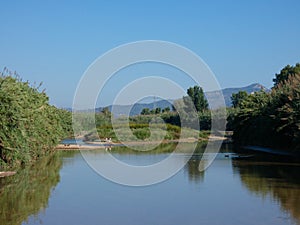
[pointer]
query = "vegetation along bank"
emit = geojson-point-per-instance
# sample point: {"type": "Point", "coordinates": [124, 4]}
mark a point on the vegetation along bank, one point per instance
{"type": "Point", "coordinates": [29, 126]}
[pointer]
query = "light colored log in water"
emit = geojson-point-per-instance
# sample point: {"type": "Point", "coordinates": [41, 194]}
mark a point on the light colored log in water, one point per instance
{"type": "Point", "coordinates": [7, 173]}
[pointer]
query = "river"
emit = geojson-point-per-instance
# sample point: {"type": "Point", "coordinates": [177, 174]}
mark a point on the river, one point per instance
{"type": "Point", "coordinates": [63, 189]}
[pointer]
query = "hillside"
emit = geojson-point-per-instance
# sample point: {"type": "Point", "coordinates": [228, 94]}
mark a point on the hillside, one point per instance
{"type": "Point", "coordinates": [137, 108]}
{"type": "Point", "coordinates": [212, 95]}
{"type": "Point", "coordinates": [227, 92]}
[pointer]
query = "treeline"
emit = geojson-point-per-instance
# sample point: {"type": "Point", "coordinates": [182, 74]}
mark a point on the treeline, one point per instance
{"type": "Point", "coordinates": [140, 124]}
{"type": "Point", "coordinates": [269, 119]}
{"type": "Point", "coordinates": [194, 101]}
{"type": "Point", "coordinates": [173, 118]}
{"type": "Point", "coordinates": [158, 110]}
{"type": "Point", "coordinates": [29, 126]}
{"type": "Point", "coordinates": [139, 127]}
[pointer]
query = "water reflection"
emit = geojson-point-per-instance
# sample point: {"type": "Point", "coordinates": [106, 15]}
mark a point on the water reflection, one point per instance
{"type": "Point", "coordinates": [27, 192]}
{"type": "Point", "coordinates": [145, 158]}
{"type": "Point", "coordinates": [281, 182]}
{"type": "Point", "coordinates": [192, 167]}
{"type": "Point", "coordinates": [195, 167]}
{"type": "Point", "coordinates": [195, 174]}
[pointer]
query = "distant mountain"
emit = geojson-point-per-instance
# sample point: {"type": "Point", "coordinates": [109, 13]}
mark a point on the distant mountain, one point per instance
{"type": "Point", "coordinates": [227, 92]}
{"type": "Point", "coordinates": [137, 108]}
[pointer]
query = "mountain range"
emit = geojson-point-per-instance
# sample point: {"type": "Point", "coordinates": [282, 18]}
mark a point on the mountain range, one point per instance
{"type": "Point", "coordinates": [212, 95]}
{"type": "Point", "coordinates": [227, 92]}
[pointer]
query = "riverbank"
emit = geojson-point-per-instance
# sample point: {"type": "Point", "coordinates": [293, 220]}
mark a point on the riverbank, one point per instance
{"type": "Point", "coordinates": [79, 147]}
{"type": "Point", "coordinates": [90, 145]}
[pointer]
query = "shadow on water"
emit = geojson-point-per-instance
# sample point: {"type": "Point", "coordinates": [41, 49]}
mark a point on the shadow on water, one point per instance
{"type": "Point", "coordinates": [196, 174]}
{"type": "Point", "coordinates": [192, 168]}
{"type": "Point", "coordinates": [27, 193]}
{"type": "Point", "coordinates": [279, 181]}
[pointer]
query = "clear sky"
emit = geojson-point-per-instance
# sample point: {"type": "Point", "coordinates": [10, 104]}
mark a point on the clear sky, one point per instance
{"type": "Point", "coordinates": [243, 42]}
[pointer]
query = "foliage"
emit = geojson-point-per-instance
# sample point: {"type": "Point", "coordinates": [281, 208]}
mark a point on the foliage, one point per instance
{"type": "Point", "coordinates": [29, 126]}
{"type": "Point", "coordinates": [198, 98]}
{"type": "Point", "coordinates": [171, 130]}
{"type": "Point", "coordinates": [140, 132]}
{"type": "Point", "coordinates": [173, 118]}
{"type": "Point", "coordinates": [205, 120]}
{"type": "Point", "coordinates": [147, 111]}
{"type": "Point", "coordinates": [238, 98]}
{"type": "Point", "coordinates": [270, 119]}
{"type": "Point", "coordinates": [285, 73]}
{"type": "Point", "coordinates": [286, 110]}
{"type": "Point", "coordinates": [166, 110]}
{"type": "Point", "coordinates": [105, 111]}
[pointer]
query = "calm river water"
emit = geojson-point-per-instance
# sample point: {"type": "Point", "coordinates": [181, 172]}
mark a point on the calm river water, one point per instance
{"type": "Point", "coordinates": [63, 189]}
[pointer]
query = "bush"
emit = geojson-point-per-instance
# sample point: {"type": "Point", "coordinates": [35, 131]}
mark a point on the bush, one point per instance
{"type": "Point", "coordinates": [29, 126]}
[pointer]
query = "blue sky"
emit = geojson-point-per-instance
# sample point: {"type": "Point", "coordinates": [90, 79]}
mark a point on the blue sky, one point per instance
{"type": "Point", "coordinates": [243, 42]}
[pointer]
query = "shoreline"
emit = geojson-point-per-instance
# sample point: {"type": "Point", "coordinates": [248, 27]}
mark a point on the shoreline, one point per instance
{"type": "Point", "coordinates": [78, 147]}
{"type": "Point", "coordinates": [93, 145]}
{"type": "Point", "coordinates": [103, 145]}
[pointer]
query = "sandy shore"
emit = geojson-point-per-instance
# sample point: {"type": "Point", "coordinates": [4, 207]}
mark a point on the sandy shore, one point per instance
{"type": "Point", "coordinates": [78, 147]}
{"type": "Point", "coordinates": [103, 145]}
{"type": "Point", "coordinates": [133, 143]}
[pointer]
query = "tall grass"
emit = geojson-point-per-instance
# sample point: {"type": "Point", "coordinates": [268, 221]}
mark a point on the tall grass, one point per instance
{"type": "Point", "coordinates": [29, 126]}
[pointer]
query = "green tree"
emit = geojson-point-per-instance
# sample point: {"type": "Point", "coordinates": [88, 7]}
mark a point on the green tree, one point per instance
{"type": "Point", "coordinates": [271, 119]}
{"type": "Point", "coordinates": [238, 98]}
{"type": "Point", "coordinates": [166, 110]}
{"type": "Point", "coordinates": [286, 110]}
{"type": "Point", "coordinates": [106, 111]}
{"type": "Point", "coordinates": [285, 73]}
{"type": "Point", "coordinates": [157, 110]}
{"type": "Point", "coordinates": [145, 111]}
{"type": "Point", "coordinates": [198, 98]}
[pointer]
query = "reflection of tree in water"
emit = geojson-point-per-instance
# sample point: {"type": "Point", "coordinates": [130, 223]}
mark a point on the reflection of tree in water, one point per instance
{"type": "Point", "coordinates": [195, 173]}
{"type": "Point", "coordinates": [27, 192]}
{"type": "Point", "coordinates": [192, 167]}
{"type": "Point", "coordinates": [279, 181]}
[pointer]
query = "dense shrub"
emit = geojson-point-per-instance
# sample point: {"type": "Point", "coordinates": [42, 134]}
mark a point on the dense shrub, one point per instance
{"type": "Point", "coordinates": [29, 126]}
{"type": "Point", "coordinates": [270, 119]}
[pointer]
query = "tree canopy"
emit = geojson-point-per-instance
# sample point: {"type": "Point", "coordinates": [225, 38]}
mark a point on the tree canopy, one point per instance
{"type": "Point", "coordinates": [198, 98]}
{"type": "Point", "coordinates": [238, 98]}
{"type": "Point", "coordinates": [285, 73]}
{"type": "Point", "coordinates": [270, 119]}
